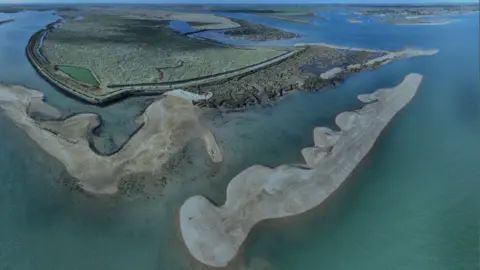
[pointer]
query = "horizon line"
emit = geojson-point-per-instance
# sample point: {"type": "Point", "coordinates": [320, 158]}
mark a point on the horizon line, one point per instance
{"type": "Point", "coordinates": [244, 3]}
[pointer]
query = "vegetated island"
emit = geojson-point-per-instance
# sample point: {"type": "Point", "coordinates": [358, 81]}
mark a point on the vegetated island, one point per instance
{"type": "Point", "coordinates": [137, 53]}
{"type": "Point", "coordinates": [214, 234]}
{"type": "Point", "coordinates": [126, 54]}
{"type": "Point", "coordinates": [167, 125]}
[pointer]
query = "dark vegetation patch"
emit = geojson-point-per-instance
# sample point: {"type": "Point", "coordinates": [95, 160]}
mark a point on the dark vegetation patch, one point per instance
{"type": "Point", "coordinates": [258, 32]}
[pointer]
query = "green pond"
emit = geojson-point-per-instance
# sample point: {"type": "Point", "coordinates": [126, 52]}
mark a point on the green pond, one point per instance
{"type": "Point", "coordinates": [80, 74]}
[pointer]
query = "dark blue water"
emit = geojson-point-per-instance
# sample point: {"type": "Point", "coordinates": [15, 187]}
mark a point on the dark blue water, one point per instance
{"type": "Point", "coordinates": [411, 205]}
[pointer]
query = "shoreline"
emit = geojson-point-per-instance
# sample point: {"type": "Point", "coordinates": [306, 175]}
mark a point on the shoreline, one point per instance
{"type": "Point", "coordinates": [214, 234]}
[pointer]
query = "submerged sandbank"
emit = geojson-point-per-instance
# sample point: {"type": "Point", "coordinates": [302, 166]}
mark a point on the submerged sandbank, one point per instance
{"type": "Point", "coordinates": [214, 234]}
{"type": "Point", "coordinates": [167, 125]}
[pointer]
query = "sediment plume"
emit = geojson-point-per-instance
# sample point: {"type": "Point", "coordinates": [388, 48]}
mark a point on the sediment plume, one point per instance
{"type": "Point", "coordinates": [167, 125]}
{"type": "Point", "coordinates": [214, 234]}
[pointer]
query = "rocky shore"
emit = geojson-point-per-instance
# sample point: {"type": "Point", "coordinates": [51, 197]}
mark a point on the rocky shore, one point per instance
{"type": "Point", "coordinates": [214, 234]}
{"type": "Point", "coordinates": [167, 125]}
{"type": "Point", "coordinates": [258, 32]}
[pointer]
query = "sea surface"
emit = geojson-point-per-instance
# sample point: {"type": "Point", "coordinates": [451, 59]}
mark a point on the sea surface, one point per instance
{"type": "Point", "coordinates": [411, 204]}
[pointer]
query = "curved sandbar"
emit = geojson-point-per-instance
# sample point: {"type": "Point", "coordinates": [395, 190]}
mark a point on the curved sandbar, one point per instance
{"type": "Point", "coordinates": [168, 124]}
{"type": "Point", "coordinates": [214, 234]}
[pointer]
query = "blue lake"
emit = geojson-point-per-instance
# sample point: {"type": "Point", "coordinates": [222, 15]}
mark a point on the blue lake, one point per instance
{"type": "Point", "coordinates": [412, 204]}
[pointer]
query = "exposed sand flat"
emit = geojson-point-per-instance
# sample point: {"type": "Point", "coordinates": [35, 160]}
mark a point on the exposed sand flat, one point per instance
{"type": "Point", "coordinates": [382, 60]}
{"type": "Point", "coordinates": [168, 124]}
{"type": "Point", "coordinates": [214, 234]}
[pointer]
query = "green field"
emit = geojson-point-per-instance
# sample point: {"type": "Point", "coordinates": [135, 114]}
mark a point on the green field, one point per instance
{"type": "Point", "coordinates": [80, 74]}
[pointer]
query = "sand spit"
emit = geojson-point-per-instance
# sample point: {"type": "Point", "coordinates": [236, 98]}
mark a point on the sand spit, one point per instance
{"type": "Point", "coordinates": [382, 60]}
{"type": "Point", "coordinates": [214, 234]}
{"type": "Point", "coordinates": [168, 124]}
{"type": "Point", "coordinates": [338, 47]}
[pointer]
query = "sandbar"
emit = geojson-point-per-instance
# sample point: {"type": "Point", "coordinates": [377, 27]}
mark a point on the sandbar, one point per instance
{"type": "Point", "coordinates": [167, 125]}
{"type": "Point", "coordinates": [214, 234]}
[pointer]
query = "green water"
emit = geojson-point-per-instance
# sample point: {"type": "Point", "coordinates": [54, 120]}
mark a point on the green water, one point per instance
{"type": "Point", "coordinates": [412, 203]}
{"type": "Point", "coordinates": [80, 74]}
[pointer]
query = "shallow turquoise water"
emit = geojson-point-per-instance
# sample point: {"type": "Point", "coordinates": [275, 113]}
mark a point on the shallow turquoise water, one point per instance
{"type": "Point", "coordinates": [410, 205]}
